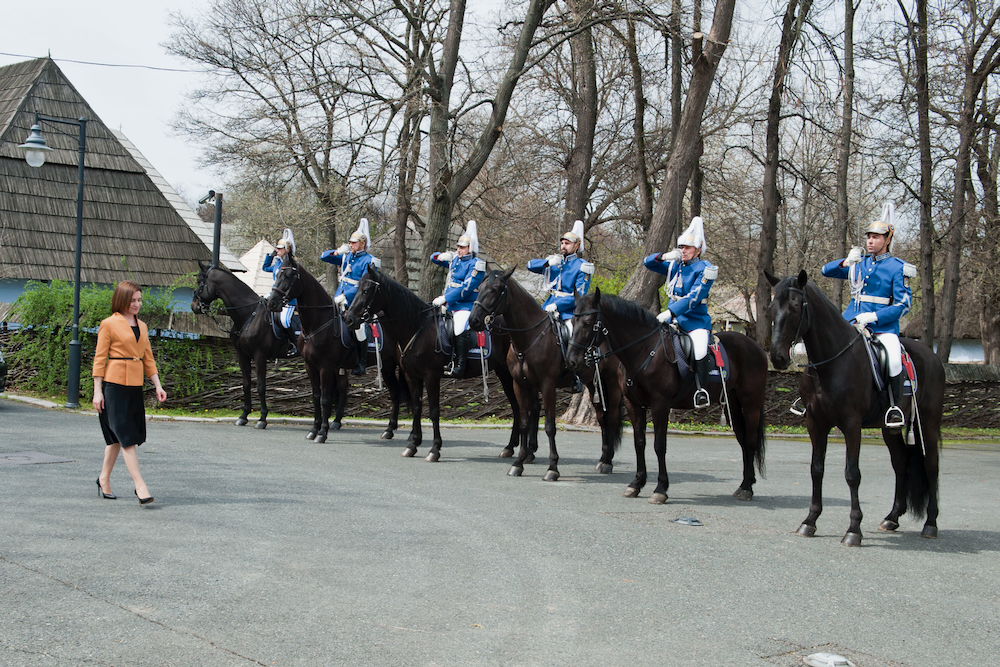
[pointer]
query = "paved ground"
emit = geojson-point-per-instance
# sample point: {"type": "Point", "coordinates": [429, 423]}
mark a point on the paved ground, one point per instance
{"type": "Point", "coordinates": [265, 549]}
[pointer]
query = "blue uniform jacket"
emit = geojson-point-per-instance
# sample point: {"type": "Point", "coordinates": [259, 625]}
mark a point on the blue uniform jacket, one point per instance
{"type": "Point", "coordinates": [272, 265]}
{"type": "Point", "coordinates": [352, 270]}
{"type": "Point", "coordinates": [574, 272]}
{"type": "Point", "coordinates": [461, 288]}
{"type": "Point", "coordinates": [884, 289]}
{"type": "Point", "coordinates": [688, 285]}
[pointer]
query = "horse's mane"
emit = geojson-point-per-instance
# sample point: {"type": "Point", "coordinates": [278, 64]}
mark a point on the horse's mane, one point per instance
{"type": "Point", "coordinates": [405, 304]}
{"type": "Point", "coordinates": [323, 296]}
{"type": "Point", "coordinates": [242, 288]}
{"type": "Point", "coordinates": [620, 308]}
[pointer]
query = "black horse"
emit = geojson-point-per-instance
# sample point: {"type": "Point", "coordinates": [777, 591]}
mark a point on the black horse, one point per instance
{"type": "Point", "coordinates": [651, 380]}
{"type": "Point", "coordinates": [322, 345]}
{"type": "Point", "coordinates": [838, 390]}
{"type": "Point", "coordinates": [536, 362]}
{"type": "Point", "coordinates": [252, 334]}
{"type": "Point", "coordinates": [410, 321]}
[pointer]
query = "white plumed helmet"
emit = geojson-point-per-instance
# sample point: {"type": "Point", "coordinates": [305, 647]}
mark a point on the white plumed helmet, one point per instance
{"type": "Point", "coordinates": [694, 235]}
{"type": "Point", "coordinates": [470, 238]}
{"type": "Point", "coordinates": [576, 235]}
{"type": "Point", "coordinates": [361, 233]}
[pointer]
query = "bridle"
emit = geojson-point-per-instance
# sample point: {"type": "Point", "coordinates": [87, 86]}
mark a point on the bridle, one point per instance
{"type": "Point", "coordinates": [805, 321]}
{"type": "Point", "coordinates": [295, 276]}
{"type": "Point", "coordinates": [366, 314]}
{"type": "Point", "coordinates": [491, 313]}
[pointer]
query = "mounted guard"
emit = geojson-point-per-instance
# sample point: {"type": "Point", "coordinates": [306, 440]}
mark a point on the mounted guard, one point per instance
{"type": "Point", "coordinates": [564, 272]}
{"type": "Point", "coordinates": [880, 295]}
{"type": "Point", "coordinates": [465, 273]}
{"type": "Point", "coordinates": [689, 279]}
{"type": "Point", "coordinates": [353, 259]}
{"type": "Point", "coordinates": [288, 319]}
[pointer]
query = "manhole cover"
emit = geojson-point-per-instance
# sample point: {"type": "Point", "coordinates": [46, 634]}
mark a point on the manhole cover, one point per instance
{"type": "Point", "coordinates": [28, 458]}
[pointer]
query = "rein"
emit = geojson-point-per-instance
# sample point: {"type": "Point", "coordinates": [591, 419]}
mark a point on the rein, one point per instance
{"type": "Point", "coordinates": [800, 330]}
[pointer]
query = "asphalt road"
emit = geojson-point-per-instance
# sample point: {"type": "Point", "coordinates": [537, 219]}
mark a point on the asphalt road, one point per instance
{"type": "Point", "coordinates": [265, 549]}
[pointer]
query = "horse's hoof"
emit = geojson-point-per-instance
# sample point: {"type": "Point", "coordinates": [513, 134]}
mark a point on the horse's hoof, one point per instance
{"type": "Point", "coordinates": [930, 532]}
{"type": "Point", "coordinates": [743, 494]}
{"type": "Point", "coordinates": [433, 457]}
{"type": "Point", "coordinates": [319, 439]}
{"type": "Point", "coordinates": [888, 526]}
{"type": "Point", "coordinates": [657, 499]}
{"type": "Point", "coordinates": [242, 421]}
{"type": "Point", "coordinates": [630, 492]}
{"type": "Point", "coordinates": [530, 458]}
{"type": "Point", "coordinates": [851, 539]}
{"type": "Point", "coordinates": [515, 471]}
{"type": "Point", "coordinates": [335, 426]}
{"type": "Point", "coordinates": [604, 468]}
{"type": "Point", "coordinates": [805, 530]}
{"type": "Point", "coordinates": [310, 435]}
{"type": "Point", "coordinates": [551, 476]}
{"type": "Point", "coordinates": [387, 435]}
{"type": "Point", "coordinates": [409, 452]}
{"type": "Point", "coordinates": [506, 453]}
{"type": "Point", "coordinates": [260, 425]}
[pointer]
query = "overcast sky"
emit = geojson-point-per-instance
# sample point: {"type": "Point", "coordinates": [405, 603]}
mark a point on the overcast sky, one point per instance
{"type": "Point", "coordinates": [140, 102]}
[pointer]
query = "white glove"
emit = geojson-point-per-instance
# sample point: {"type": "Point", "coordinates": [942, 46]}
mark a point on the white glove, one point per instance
{"type": "Point", "coordinates": [344, 249]}
{"type": "Point", "coordinates": [340, 300]}
{"type": "Point", "coordinates": [445, 257]}
{"type": "Point", "coordinates": [555, 260]}
{"type": "Point", "coordinates": [551, 308]}
{"type": "Point", "coordinates": [853, 257]}
{"type": "Point", "coordinates": [866, 318]}
{"type": "Point", "coordinates": [665, 317]}
{"type": "Point", "coordinates": [671, 256]}
{"type": "Point", "coordinates": [438, 301]}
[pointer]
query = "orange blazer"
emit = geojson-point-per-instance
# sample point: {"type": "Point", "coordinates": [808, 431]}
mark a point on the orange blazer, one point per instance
{"type": "Point", "coordinates": [120, 358]}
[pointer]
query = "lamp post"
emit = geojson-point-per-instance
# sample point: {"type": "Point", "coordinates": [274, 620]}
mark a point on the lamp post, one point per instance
{"type": "Point", "coordinates": [34, 154]}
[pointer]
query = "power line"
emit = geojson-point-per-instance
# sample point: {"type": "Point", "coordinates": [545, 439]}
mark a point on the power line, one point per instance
{"type": "Point", "coordinates": [85, 62]}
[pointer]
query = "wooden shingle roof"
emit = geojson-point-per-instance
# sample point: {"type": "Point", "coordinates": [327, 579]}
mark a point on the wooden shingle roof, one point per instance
{"type": "Point", "coordinates": [134, 225]}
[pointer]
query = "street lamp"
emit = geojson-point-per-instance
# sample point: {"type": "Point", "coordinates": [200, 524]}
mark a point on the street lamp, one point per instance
{"type": "Point", "coordinates": [34, 154]}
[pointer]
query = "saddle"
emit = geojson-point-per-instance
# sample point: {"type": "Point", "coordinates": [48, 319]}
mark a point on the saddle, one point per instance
{"type": "Point", "coordinates": [482, 341]}
{"type": "Point", "coordinates": [684, 352]}
{"type": "Point", "coordinates": [878, 363]}
{"type": "Point", "coordinates": [373, 333]}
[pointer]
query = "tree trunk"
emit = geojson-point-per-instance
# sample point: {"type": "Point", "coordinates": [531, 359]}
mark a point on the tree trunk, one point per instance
{"type": "Point", "coordinates": [989, 312]}
{"type": "Point", "coordinates": [642, 284]}
{"type": "Point", "coordinates": [580, 160]}
{"type": "Point", "coordinates": [927, 304]}
{"type": "Point", "coordinates": [790, 29]}
{"type": "Point", "coordinates": [640, 168]}
{"type": "Point", "coordinates": [843, 165]}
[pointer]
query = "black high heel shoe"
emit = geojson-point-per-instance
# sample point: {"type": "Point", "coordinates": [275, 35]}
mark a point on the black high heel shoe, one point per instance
{"type": "Point", "coordinates": [101, 494]}
{"type": "Point", "coordinates": [143, 501]}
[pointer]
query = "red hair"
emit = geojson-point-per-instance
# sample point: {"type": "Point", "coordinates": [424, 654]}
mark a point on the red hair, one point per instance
{"type": "Point", "coordinates": [122, 298]}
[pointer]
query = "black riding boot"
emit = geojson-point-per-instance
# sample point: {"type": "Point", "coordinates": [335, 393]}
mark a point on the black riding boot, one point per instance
{"type": "Point", "coordinates": [701, 370]}
{"type": "Point", "coordinates": [293, 337]}
{"type": "Point", "coordinates": [459, 353]}
{"type": "Point", "coordinates": [577, 386]}
{"type": "Point", "coordinates": [894, 417]}
{"type": "Point", "coordinates": [362, 346]}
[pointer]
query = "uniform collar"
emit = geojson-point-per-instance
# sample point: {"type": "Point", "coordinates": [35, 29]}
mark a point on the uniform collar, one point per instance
{"type": "Point", "coordinates": [883, 256]}
{"type": "Point", "coordinates": [359, 253]}
{"type": "Point", "coordinates": [569, 257]}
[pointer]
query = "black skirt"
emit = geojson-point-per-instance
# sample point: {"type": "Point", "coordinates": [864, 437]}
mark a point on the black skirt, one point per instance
{"type": "Point", "coordinates": [123, 419]}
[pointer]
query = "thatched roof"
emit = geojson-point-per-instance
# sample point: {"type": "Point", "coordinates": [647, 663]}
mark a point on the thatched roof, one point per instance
{"type": "Point", "coordinates": [134, 224]}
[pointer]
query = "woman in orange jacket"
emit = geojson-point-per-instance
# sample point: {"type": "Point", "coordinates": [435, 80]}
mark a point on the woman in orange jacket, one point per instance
{"type": "Point", "coordinates": [121, 363]}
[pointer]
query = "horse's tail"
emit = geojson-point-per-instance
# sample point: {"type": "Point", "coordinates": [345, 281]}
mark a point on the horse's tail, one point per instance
{"type": "Point", "coordinates": [740, 429]}
{"type": "Point", "coordinates": [404, 387]}
{"type": "Point", "coordinates": [758, 456]}
{"type": "Point", "coordinates": [616, 427]}
{"type": "Point", "coordinates": [918, 486]}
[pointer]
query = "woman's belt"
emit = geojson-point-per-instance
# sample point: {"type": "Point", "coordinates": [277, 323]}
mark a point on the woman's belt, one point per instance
{"type": "Point", "coordinates": [125, 358]}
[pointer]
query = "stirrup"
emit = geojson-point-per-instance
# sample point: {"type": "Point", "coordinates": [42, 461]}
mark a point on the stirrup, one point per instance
{"type": "Point", "coordinates": [797, 408]}
{"type": "Point", "coordinates": [894, 417]}
{"type": "Point", "coordinates": [701, 398]}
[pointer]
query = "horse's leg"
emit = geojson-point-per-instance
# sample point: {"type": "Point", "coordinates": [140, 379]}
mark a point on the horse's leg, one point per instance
{"type": "Point", "coordinates": [340, 398]}
{"type": "Point", "coordinates": [818, 435]}
{"type": "Point", "coordinates": [531, 435]}
{"type": "Point", "coordinates": [434, 412]}
{"type": "Point", "coordinates": [261, 363]}
{"type": "Point", "coordinates": [610, 418]}
{"type": "Point", "coordinates": [852, 473]}
{"type": "Point", "coordinates": [898, 457]}
{"type": "Point", "coordinates": [746, 423]}
{"type": "Point", "coordinates": [417, 406]}
{"type": "Point", "coordinates": [314, 384]}
{"type": "Point", "coordinates": [637, 415]}
{"type": "Point", "coordinates": [526, 398]}
{"type": "Point", "coordinates": [660, 421]}
{"type": "Point", "coordinates": [245, 370]}
{"type": "Point", "coordinates": [929, 448]}
{"type": "Point", "coordinates": [327, 394]}
{"type": "Point", "coordinates": [549, 404]}
{"type": "Point", "coordinates": [516, 433]}
{"type": "Point", "coordinates": [395, 388]}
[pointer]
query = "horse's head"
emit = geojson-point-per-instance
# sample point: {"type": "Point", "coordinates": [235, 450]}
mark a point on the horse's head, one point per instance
{"type": "Point", "coordinates": [287, 286]}
{"type": "Point", "coordinates": [588, 331]}
{"type": "Point", "coordinates": [204, 291]}
{"type": "Point", "coordinates": [789, 311]}
{"type": "Point", "coordinates": [492, 300]}
{"type": "Point", "coordinates": [365, 302]}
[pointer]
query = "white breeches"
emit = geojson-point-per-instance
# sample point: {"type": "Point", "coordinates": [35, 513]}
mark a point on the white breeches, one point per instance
{"type": "Point", "coordinates": [569, 327]}
{"type": "Point", "coordinates": [699, 340]}
{"type": "Point", "coordinates": [360, 333]}
{"type": "Point", "coordinates": [460, 318]}
{"type": "Point", "coordinates": [286, 316]}
{"type": "Point", "coordinates": [894, 351]}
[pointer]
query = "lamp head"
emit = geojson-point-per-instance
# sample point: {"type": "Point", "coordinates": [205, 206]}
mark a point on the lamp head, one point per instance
{"type": "Point", "coordinates": [34, 147]}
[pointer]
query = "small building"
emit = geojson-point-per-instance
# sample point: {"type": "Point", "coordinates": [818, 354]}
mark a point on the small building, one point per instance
{"type": "Point", "coordinates": [135, 226]}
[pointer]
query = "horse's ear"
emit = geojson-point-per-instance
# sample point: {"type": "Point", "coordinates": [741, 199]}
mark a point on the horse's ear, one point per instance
{"type": "Point", "coordinates": [507, 274]}
{"type": "Point", "coordinates": [803, 279]}
{"type": "Point", "coordinates": [204, 265]}
{"type": "Point", "coordinates": [597, 294]}
{"type": "Point", "coordinates": [770, 278]}
{"type": "Point", "coordinates": [372, 269]}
